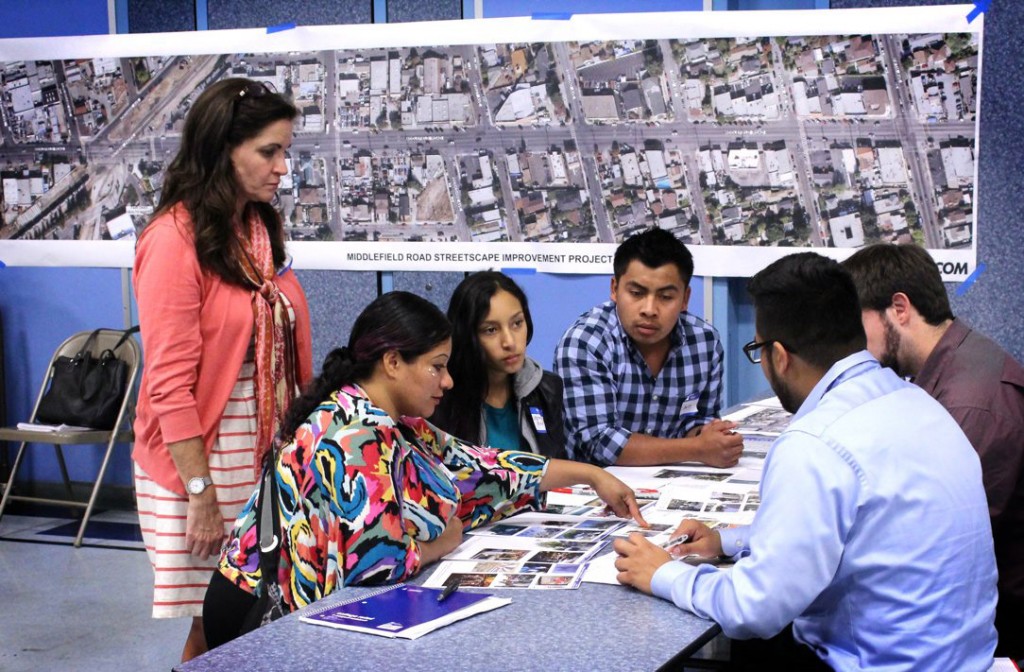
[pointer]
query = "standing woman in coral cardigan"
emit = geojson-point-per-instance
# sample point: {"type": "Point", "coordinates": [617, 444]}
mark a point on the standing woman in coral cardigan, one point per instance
{"type": "Point", "coordinates": [226, 336]}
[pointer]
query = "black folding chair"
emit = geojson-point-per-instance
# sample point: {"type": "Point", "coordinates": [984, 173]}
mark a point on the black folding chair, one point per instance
{"type": "Point", "coordinates": [129, 353]}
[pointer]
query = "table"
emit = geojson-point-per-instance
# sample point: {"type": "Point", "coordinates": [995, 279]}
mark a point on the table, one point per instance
{"type": "Point", "coordinates": [597, 627]}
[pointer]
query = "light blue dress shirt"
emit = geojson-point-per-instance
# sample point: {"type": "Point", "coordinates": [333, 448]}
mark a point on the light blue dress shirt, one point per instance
{"type": "Point", "coordinates": [872, 537]}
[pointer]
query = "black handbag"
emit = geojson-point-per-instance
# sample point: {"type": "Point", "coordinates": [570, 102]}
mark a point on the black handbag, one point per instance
{"type": "Point", "coordinates": [269, 605]}
{"type": "Point", "coordinates": [86, 391]}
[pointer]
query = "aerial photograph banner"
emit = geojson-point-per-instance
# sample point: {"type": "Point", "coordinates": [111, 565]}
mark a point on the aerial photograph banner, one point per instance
{"type": "Point", "coordinates": [519, 143]}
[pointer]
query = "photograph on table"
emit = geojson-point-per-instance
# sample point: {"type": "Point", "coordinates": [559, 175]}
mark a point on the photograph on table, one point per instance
{"type": "Point", "coordinates": [541, 532]}
{"type": "Point", "coordinates": [501, 554]}
{"type": "Point", "coordinates": [726, 502]}
{"type": "Point", "coordinates": [751, 419]}
{"type": "Point", "coordinates": [546, 570]}
{"type": "Point", "coordinates": [652, 530]}
{"type": "Point", "coordinates": [696, 475]}
{"type": "Point", "coordinates": [756, 446]}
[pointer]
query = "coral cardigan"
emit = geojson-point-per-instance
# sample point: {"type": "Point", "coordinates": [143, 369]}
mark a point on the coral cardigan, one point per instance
{"type": "Point", "coordinates": [196, 329]}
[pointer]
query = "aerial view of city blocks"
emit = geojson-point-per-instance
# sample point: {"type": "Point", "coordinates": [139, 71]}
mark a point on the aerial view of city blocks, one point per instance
{"type": "Point", "coordinates": [836, 140]}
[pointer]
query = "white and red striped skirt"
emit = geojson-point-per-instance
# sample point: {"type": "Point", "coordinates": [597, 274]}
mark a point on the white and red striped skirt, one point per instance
{"type": "Point", "coordinates": [181, 578]}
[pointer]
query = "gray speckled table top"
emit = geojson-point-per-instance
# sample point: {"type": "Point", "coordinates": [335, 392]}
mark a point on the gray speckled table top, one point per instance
{"type": "Point", "coordinates": [596, 627]}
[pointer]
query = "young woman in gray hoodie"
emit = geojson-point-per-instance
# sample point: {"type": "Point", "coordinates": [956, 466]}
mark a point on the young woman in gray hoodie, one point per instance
{"type": "Point", "coordinates": [501, 397]}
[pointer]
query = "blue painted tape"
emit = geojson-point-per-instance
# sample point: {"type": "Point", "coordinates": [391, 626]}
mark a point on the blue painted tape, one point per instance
{"type": "Point", "coordinates": [551, 16]}
{"type": "Point", "coordinates": [971, 279]}
{"type": "Point", "coordinates": [281, 27]}
{"type": "Point", "coordinates": [980, 7]}
{"type": "Point", "coordinates": [519, 271]}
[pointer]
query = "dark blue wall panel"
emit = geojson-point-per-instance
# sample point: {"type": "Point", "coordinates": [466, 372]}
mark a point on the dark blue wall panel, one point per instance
{"type": "Point", "coordinates": [260, 13]}
{"type": "Point", "coordinates": [498, 8]}
{"type": "Point", "coordinates": [161, 16]}
{"type": "Point", "coordinates": [335, 300]}
{"type": "Point", "coordinates": [400, 11]}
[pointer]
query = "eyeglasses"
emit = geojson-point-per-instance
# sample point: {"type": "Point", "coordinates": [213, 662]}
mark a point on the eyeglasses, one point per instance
{"type": "Point", "coordinates": [753, 350]}
{"type": "Point", "coordinates": [252, 90]}
{"type": "Point", "coordinates": [256, 89]}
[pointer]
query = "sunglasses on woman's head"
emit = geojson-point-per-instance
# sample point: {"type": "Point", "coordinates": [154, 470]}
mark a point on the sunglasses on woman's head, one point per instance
{"type": "Point", "coordinates": [256, 89]}
{"type": "Point", "coordinates": [252, 90]}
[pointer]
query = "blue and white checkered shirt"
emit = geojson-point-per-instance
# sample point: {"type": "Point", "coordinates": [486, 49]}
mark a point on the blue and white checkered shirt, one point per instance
{"type": "Point", "coordinates": [610, 393]}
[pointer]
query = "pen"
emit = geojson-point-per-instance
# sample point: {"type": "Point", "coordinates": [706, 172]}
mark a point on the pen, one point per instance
{"type": "Point", "coordinates": [450, 587]}
{"type": "Point", "coordinates": [675, 541]}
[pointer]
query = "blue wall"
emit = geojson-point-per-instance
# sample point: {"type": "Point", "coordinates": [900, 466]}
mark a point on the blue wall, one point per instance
{"type": "Point", "coordinates": [52, 18]}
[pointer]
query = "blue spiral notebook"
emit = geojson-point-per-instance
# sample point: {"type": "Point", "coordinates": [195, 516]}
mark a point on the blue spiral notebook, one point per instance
{"type": "Point", "coordinates": [403, 611]}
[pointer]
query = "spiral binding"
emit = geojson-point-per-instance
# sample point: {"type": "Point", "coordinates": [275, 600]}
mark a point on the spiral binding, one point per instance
{"type": "Point", "coordinates": [321, 609]}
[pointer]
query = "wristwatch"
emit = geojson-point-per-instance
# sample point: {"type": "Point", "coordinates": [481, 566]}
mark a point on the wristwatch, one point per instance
{"type": "Point", "coordinates": [197, 485]}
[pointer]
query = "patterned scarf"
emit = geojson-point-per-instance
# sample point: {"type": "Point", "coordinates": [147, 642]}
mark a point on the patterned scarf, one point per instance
{"type": "Point", "coordinates": [275, 344]}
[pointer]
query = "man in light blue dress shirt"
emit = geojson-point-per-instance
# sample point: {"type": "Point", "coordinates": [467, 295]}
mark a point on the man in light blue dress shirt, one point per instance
{"type": "Point", "coordinates": [873, 535]}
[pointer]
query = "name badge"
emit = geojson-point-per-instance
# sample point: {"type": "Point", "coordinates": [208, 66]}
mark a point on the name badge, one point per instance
{"type": "Point", "coordinates": [538, 420]}
{"type": "Point", "coordinates": [689, 406]}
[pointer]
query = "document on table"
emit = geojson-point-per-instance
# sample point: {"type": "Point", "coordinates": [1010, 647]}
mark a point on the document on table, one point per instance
{"type": "Point", "coordinates": [530, 550]}
{"type": "Point", "coordinates": [728, 503]}
{"type": "Point", "coordinates": [766, 420]}
{"type": "Point", "coordinates": [37, 427]}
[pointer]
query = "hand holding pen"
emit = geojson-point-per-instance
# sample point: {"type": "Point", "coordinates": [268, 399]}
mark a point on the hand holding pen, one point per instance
{"type": "Point", "coordinates": [694, 540]}
{"type": "Point", "coordinates": [676, 540]}
{"type": "Point", "coordinates": [450, 586]}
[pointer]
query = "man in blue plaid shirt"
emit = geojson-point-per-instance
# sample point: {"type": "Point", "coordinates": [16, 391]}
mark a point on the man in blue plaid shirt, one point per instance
{"type": "Point", "coordinates": [643, 378]}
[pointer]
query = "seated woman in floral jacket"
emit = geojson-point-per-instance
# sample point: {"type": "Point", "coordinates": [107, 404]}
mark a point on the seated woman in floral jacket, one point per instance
{"type": "Point", "coordinates": [369, 491]}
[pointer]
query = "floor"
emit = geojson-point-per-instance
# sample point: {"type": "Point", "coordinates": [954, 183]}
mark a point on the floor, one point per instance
{"type": "Point", "coordinates": [85, 608]}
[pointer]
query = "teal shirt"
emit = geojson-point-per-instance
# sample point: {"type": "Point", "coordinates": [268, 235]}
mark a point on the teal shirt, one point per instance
{"type": "Point", "coordinates": [503, 426]}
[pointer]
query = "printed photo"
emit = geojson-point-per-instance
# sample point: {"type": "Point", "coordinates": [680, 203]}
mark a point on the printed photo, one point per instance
{"type": "Point", "coordinates": [722, 507]}
{"type": "Point", "coordinates": [598, 525]}
{"type": "Point", "coordinates": [582, 535]}
{"type": "Point", "coordinates": [514, 581]}
{"type": "Point", "coordinates": [540, 532]}
{"type": "Point", "coordinates": [696, 475]}
{"type": "Point", "coordinates": [555, 557]}
{"type": "Point", "coordinates": [501, 554]}
{"type": "Point", "coordinates": [474, 580]}
{"type": "Point", "coordinates": [502, 529]}
{"type": "Point", "coordinates": [653, 530]}
{"type": "Point", "coordinates": [555, 580]}
{"type": "Point", "coordinates": [495, 567]}
{"type": "Point", "coordinates": [558, 545]}
{"type": "Point", "coordinates": [727, 497]}
{"type": "Point", "coordinates": [535, 568]}
{"type": "Point", "coordinates": [684, 505]}
{"type": "Point", "coordinates": [565, 568]}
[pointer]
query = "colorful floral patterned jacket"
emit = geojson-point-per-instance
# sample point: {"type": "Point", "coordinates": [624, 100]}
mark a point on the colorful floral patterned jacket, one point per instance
{"type": "Point", "coordinates": [359, 492]}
